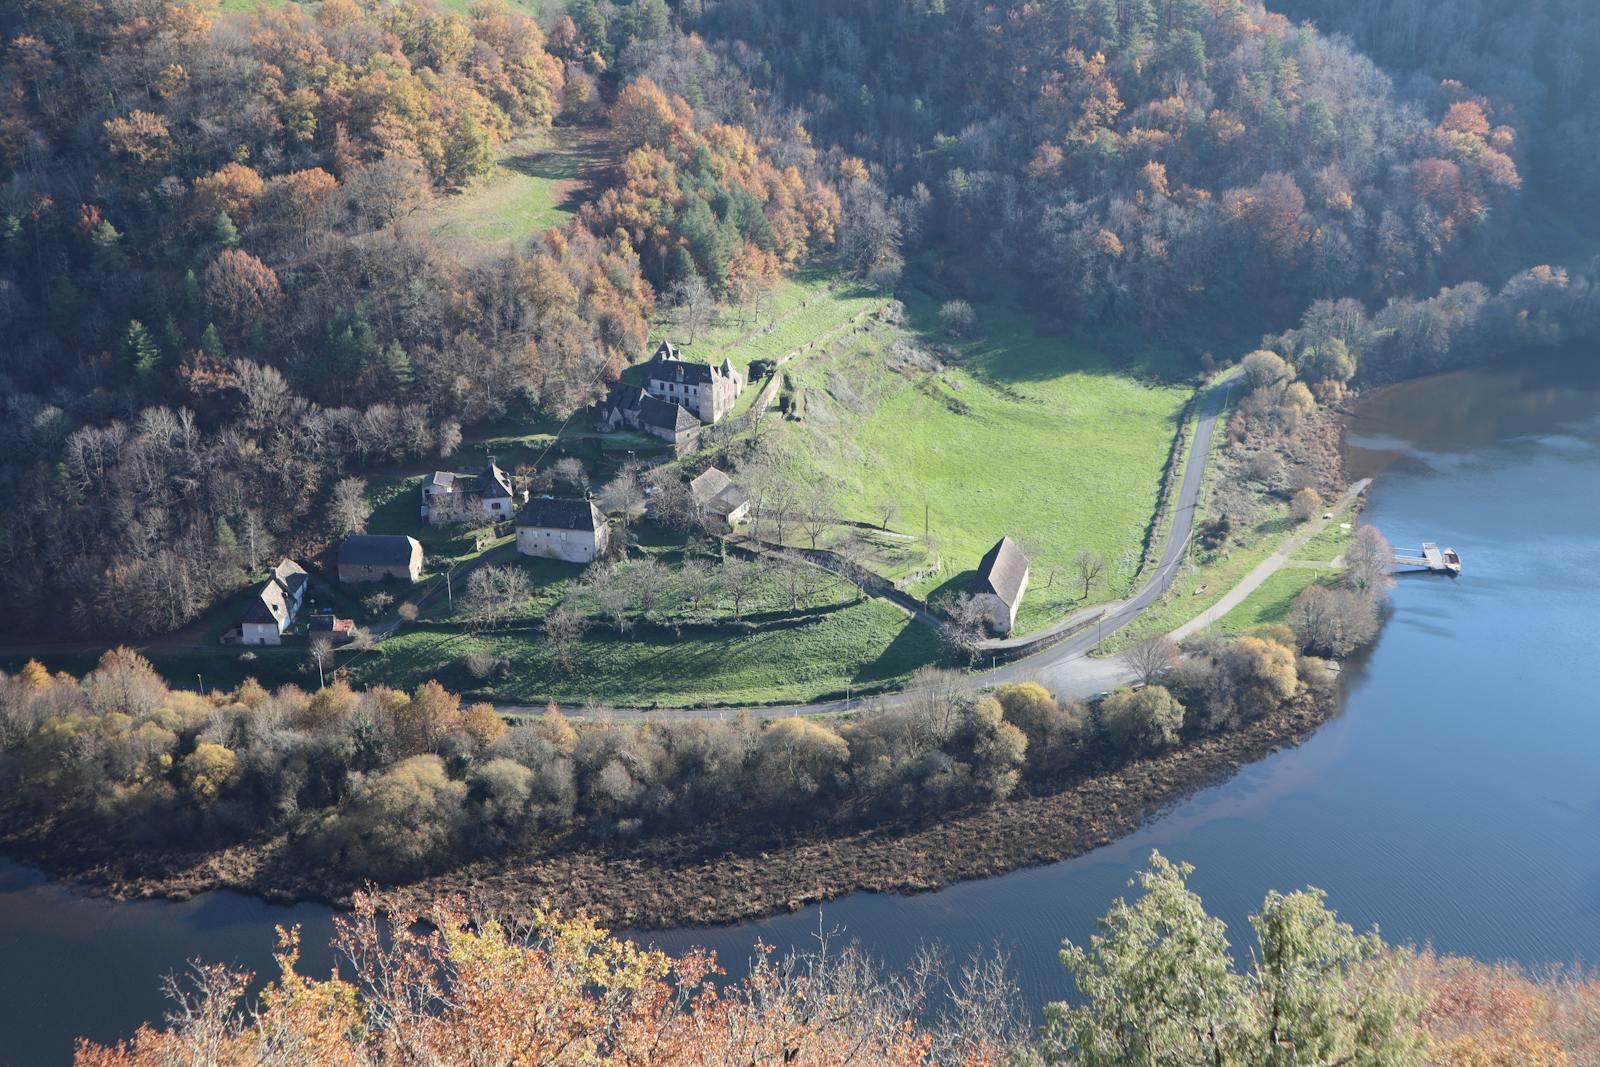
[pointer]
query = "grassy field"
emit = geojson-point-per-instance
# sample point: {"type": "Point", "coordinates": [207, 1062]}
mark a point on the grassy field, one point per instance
{"type": "Point", "coordinates": [864, 645]}
{"type": "Point", "coordinates": [1327, 545]}
{"type": "Point", "coordinates": [537, 183]}
{"type": "Point", "coordinates": [804, 307]}
{"type": "Point", "coordinates": [1270, 602]}
{"type": "Point", "coordinates": [1020, 434]}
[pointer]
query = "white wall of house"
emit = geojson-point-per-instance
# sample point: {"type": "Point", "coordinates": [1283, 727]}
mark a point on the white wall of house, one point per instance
{"type": "Point", "coordinates": [574, 546]}
{"type": "Point", "coordinates": [260, 633]}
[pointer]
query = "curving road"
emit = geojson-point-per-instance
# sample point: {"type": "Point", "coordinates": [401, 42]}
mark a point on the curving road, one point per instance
{"type": "Point", "coordinates": [1064, 668]}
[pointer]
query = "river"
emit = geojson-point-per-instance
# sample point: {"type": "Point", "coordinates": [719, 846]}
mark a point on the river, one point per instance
{"type": "Point", "coordinates": [1453, 800]}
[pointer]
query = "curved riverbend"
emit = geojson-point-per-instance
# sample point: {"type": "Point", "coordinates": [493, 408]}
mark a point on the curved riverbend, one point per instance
{"type": "Point", "coordinates": [1453, 801]}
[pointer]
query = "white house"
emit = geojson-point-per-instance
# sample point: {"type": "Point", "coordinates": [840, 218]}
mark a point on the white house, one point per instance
{"type": "Point", "coordinates": [462, 499]}
{"type": "Point", "coordinates": [272, 610]}
{"type": "Point", "coordinates": [1000, 584]}
{"type": "Point", "coordinates": [573, 530]}
{"type": "Point", "coordinates": [708, 392]}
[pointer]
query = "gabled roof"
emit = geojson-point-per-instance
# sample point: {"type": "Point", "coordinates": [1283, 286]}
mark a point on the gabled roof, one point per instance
{"type": "Point", "coordinates": [713, 488]}
{"type": "Point", "coordinates": [678, 370]}
{"type": "Point", "coordinates": [379, 550]}
{"type": "Point", "coordinates": [491, 478]}
{"type": "Point", "coordinates": [665, 415]}
{"type": "Point", "coordinates": [548, 513]}
{"type": "Point", "coordinates": [625, 397]}
{"type": "Point", "coordinates": [444, 480]}
{"type": "Point", "coordinates": [275, 601]}
{"type": "Point", "coordinates": [1003, 570]}
{"type": "Point", "coordinates": [666, 350]}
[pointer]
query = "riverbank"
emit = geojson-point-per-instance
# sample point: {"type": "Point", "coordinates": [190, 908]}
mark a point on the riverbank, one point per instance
{"type": "Point", "coordinates": [710, 876]}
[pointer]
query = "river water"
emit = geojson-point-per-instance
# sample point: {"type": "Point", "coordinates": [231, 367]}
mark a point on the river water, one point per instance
{"type": "Point", "coordinates": [1454, 800]}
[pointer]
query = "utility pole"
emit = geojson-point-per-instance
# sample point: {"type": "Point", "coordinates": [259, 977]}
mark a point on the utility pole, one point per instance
{"type": "Point", "coordinates": [199, 684]}
{"type": "Point", "coordinates": [924, 520]}
{"type": "Point", "coordinates": [449, 594]}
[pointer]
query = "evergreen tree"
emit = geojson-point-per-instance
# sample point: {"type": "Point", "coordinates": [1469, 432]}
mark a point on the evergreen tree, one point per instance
{"type": "Point", "coordinates": [211, 342]}
{"type": "Point", "coordinates": [141, 351]}
{"type": "Point", "coordinates": [225, 232]}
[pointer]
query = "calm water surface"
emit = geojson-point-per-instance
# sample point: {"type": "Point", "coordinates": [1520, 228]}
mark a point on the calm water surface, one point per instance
{"type": "Point", "coordinates": [1454, 800]}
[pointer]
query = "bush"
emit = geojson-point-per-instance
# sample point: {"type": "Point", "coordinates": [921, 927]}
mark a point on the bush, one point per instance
{"type": "Point", "coordinates": [397, 824]}
{"type": "Point", "coordinates": [1054, 732]}
{"type": "Point", "coordinates": [1141, 721]}
{"type": "Point", "coordinates": [958, 318]}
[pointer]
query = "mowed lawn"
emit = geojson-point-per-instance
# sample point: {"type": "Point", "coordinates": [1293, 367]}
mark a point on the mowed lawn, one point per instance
{"type": "Point", "coordinates": [862, 646]}
{"type": "Point", "coordinates": [1025, 435]}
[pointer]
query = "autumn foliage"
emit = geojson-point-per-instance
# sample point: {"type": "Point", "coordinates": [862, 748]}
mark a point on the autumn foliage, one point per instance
{"type": "Point", "coordinates": [560, 992]}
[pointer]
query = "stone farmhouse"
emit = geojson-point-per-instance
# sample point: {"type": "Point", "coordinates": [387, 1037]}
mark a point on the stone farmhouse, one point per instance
{"type": "Point", "coordinates": [374, 557]}
{"type": "Point", "coordinates": [272, 610]}
{"type": "Point", "coordinates": [450, 499]}
{"type": "Point", "coordinates": [718, 500]}
{"type": "Point", "coordinates": [571, 530]}
{"type": "Point", "coordinates": [708, 392]}
{"type": "Point", "coordinates": [630, 407]}
{"type": "Point", "coordinates": [1000, 584]}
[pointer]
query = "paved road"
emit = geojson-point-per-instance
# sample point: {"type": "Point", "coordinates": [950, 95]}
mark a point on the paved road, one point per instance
{"type": "Point", "coordinates": [1065, 668]}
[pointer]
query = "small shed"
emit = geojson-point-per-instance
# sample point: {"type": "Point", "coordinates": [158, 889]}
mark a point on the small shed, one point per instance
{"type": "Point", "coordinates": [1000, 584]}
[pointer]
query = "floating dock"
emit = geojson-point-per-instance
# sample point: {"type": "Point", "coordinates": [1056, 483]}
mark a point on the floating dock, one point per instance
{"type": "Point", "coordinates": [1432, 558]}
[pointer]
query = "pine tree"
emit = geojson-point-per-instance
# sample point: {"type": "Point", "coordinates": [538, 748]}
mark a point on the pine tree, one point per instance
{"type": "Point", "coordinates": [226, 233]}
{"type": "Point", "coordinates": [143, 354]}
{"type": "Point", "coordinates": [398, 365]}
{"type": "Point", "coordinates": [211, 342]}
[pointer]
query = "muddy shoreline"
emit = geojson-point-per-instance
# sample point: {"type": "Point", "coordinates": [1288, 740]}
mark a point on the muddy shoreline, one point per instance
{"type": "Point", "coordinates": [699, 880]}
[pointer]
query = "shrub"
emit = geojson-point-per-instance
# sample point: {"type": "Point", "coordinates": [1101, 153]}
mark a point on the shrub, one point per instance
{"type": "Point", "coordinates": [1141, 721]}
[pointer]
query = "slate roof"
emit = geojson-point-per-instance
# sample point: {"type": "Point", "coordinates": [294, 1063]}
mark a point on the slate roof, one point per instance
{"type": "Point", "coordinates": [555, 514]}
{"type": "Point", "coordinates": [274, 601]}
{"type": "Point", "coordinates": [378, 550]}
{"type": "Point", "coordinates": [490, 477]}
{"type": "Point", "coordinates": [713, 488]}
{"type": "Point", "coordinates": [665, 415]}
{"type": "Point", "coordinates": [625, 397]}
{"type": "Point", "coordinates": [677, 370]}
{"type": "Point", "coordinates": [1003, 570]}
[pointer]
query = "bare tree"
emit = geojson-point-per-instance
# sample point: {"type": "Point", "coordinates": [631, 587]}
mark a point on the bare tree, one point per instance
{"type": "Point", "coordinates": [623, 495]}
{"type": "Point", "coordinates": [781, 506]}
{"type": "Point", "coordinates": [570, 470]}
{"type": "Point", "coordinates": [694, 305]}
{"type": "Point", "coordinates": [889, 508]}
{"type": "Point", "coordinates": [563, 634]}
{"type": "Point", "coordinates": [1152, 657]}
{"type": "Point", "coordinates": [696, 582]}
{"type": "Point", "coordinates": [493, 595]}
{"type": "Point", "coordinates": [740, 579]}
{"type": "Point", "coordinates": [320, 651]}
{"type": "Point", "coordinates": [348, 509]}
{"type": "Point", "coordinates": [1369, 562]}
{"type": "Point", "coordinates": [964, 625]}
{"type": "Point", "coordinates": [818, 513]}
{"type": "Point", "coordinates": [613, 594]}
{"type": "Point", "coordinates": [1089, 566]}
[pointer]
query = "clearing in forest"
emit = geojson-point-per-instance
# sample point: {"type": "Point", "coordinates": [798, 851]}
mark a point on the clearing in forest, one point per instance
{"type": "Point", "coordinates": [539, 181]}
{"type": "Point", "coordinates": [1013, 433]}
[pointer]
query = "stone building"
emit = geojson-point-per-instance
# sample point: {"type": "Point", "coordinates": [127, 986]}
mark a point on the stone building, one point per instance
{"type": "Point", "coordinates": [450, 499]}
{"type": "Point", "coordinates": [1001, 581]}
{"type": "Point", "coordinates": [272, 610]}
{"type": "Point", "coordinates": [571, 530]}
{"type": "Point", "coordinates": [374, 557]}
{"type": "Point", "coordinates": [708, 392]}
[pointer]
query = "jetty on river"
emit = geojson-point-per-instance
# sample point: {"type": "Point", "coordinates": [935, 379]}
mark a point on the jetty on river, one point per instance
{"type": "Point", "coordinates": [1432, 558]}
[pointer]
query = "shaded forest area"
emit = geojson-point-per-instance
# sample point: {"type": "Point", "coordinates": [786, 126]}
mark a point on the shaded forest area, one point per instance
{"type": "Point", "coordinates": [213, 304]}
